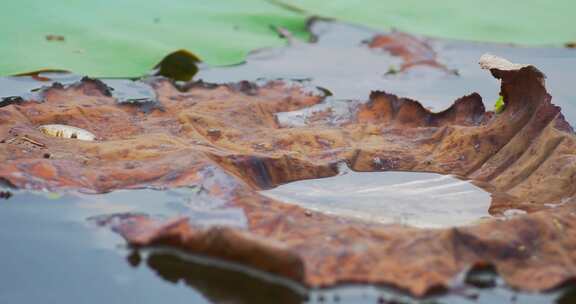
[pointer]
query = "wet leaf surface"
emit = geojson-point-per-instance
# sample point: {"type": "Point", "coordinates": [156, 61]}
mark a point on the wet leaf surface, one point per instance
{"type": "Point", "coordinates": [227, 140]}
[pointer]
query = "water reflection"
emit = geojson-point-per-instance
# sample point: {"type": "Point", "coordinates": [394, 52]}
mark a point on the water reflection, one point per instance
{"type": "Point", "coordinates": [126, 91]}
{"type": "Point", "coordinates": [221, 285]}
{"type": "Point", "coordinates": [341, 111]}
{"type": "Point", "coordinates": [569, 295]}
{"type": "Point", "coordinates": [51, 254]}
{"type": "Point", "coordinates": [424, 200]}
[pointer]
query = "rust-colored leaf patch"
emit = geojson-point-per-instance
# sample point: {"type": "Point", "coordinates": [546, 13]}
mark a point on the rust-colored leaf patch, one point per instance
{"type": "Point", "coordinates": [228, 140]}
{"type": "Point", "coordinates": [414, 51]}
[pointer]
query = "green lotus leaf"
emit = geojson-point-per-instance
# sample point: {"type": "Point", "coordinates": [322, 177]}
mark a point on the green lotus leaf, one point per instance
{"type": "Point", "coordinates": [126, 38]}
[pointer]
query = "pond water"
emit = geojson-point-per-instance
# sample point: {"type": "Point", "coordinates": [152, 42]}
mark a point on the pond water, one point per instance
{"type": "Point", "coordinates": [338, 61]}
{"type": "Point", "coordinates": [424, 200]}
{"type": "Point", "coordinates": [53, 253]}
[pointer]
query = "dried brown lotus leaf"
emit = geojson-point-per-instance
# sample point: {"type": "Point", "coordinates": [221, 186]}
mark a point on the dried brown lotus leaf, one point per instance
{"type": "Point", "coordinates": [525, 156]}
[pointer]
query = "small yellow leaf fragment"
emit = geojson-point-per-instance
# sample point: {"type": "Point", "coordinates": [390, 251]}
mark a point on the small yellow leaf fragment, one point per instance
{"type": "Point", "coordinates": [65, 131]}
{"type": "Point", "coordinates": [499, 105]}
{"type": "Point", "coordinates": [558, 224]}
{"type": "Point", "coordinates": [53, 195]}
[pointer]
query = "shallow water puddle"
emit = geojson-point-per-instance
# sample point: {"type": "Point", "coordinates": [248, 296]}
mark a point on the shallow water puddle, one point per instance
{"type": "Point", "coordinates": [425, 200]}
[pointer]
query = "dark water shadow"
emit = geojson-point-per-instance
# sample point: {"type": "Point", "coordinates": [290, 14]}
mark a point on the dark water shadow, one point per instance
{"type": "Point", "coordinates": [222, 283]}
{"type": "Point", "coordinates": [219, 284]}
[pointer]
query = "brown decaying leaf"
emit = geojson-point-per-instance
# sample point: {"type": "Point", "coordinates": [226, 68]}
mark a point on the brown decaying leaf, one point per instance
{"type": "Point", "coordinates": [414, 51]}
{"type": "Point", "coordinates": [525, 156]}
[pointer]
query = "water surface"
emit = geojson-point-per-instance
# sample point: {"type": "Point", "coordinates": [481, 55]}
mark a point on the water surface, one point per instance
{"type": "Point", "coordinates": [425, 200]}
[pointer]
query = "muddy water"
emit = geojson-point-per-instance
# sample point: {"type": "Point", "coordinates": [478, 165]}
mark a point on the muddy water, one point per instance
{"type": "Point", "coordinates": [53, 253]}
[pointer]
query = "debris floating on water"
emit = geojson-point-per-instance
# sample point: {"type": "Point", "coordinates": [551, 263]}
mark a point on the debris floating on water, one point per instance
{"type": "Point", "coordinates": [65, 131]}
{"type": "Point", "coordinates": [52, 37]}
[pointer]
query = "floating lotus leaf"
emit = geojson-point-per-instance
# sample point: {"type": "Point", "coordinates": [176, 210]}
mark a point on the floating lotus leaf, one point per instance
{"type": "Point", "coordinates": [128, 38]}
{"type": "Point", "coordinates": [229, 141]}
